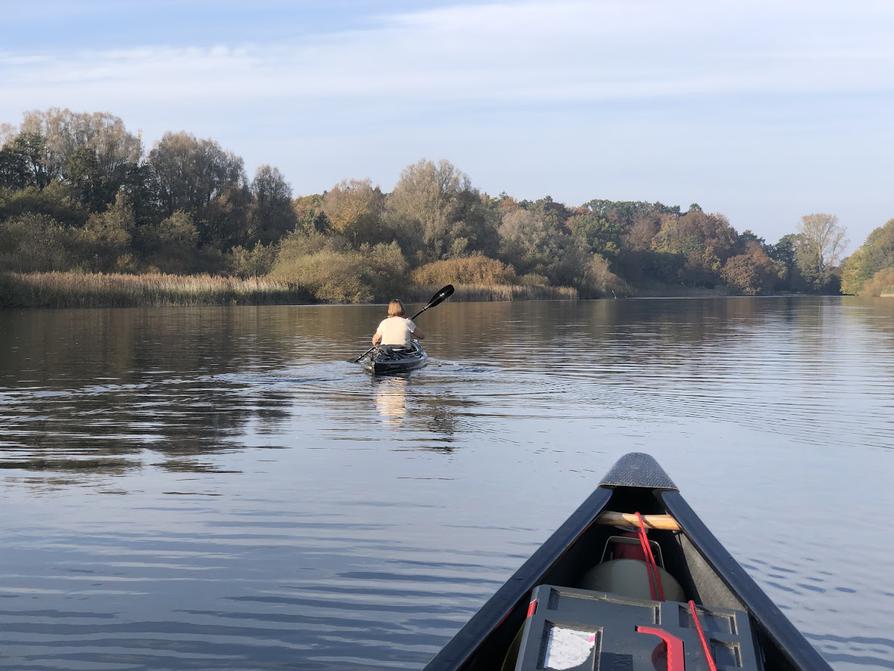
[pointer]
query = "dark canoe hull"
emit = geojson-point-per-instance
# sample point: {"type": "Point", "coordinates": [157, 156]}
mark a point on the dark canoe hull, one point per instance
{"type": "Point", "coordinates": [377, 364]}
{"type": "Point", "coordinates": [708, 573]}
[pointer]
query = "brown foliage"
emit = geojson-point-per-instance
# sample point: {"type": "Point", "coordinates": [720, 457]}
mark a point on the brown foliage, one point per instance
{"type": "Point", "coordinates": [468, 270]}
{"type": "Point", "coordinates": [881, 283]}
{"type": "Point", "coordinates": [753, 272]}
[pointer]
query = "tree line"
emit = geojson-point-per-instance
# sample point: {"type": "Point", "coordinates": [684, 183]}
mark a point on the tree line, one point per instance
{"type": "Point", "coordinates": [78, 191]}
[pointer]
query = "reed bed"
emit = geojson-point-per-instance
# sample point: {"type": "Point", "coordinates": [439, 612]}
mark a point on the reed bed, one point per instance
{"type": "Point", "coordinates": [499, 292]}
{"type": "Point", "coordinates": [70, 289]}
{"type": "Point", "coordinates": [66, 289]}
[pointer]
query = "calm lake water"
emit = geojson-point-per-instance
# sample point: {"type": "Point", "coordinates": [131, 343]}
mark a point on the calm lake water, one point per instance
{"type": "Point", "coordinates": [217, 488]}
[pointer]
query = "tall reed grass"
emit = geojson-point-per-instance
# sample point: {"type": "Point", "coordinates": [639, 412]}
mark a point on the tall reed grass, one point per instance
{"type": "Point", "coordinates": [71, 289]}
{"type": "Point", "coordinates": [497, 292]}
{"type": "Point", "coordinates": [68, 289]}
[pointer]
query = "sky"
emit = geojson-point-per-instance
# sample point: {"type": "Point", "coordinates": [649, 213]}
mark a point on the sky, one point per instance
{"type": "Point", "coordinates": [760, 110]}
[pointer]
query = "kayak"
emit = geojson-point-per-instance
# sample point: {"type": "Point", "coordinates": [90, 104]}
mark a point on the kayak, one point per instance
{"type": "Point", "coordinates": [388, 359]}
{"type": "Point", "coordinates": [633, 576]}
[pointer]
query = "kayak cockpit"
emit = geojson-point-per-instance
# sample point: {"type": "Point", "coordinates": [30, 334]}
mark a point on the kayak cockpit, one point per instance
{"type": "Point", "coordinates": [389, 359]}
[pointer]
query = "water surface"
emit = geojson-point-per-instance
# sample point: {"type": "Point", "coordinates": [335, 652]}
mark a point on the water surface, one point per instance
{"type": "Point", "coordinates": [217, 488]}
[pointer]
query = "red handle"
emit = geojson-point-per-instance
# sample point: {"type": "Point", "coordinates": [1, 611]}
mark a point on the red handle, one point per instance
{"type": "Point", "coordinates": [676, 661]}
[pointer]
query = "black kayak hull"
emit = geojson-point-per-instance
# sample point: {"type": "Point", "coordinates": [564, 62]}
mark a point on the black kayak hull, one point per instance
{"type": "Point", "coordinates": [384, 363]}
{"type": "Point", "coordinates": [709, 574]}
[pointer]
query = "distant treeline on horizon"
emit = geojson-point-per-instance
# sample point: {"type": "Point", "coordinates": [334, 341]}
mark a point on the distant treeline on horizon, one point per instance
{"type": "Point", "coordinates": [79, 193]}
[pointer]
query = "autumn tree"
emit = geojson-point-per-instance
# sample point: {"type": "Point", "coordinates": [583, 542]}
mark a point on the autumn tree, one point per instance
{"type": "Point", "coordinates": [601, 236]}
{"type": "Point", "coordinates": [31, 242]}
{"type": "Point", "coordinates": [200, 178]}
{"type": "Point", "coordinates": [534, 242]}
{"type": "Point", "coordinates": [705, 241]}
{"type": "Point", "coordinates": [309, 213]}
{"type": "Point", "coordinates": [108, 236]}
{"type": "Point", "coordinates": [272, 215]}
{"type": "Point", "coordinates": [354, 209]}
{"type": "Point", "coordinates": [874, 255]}
{"type": "Point", "coordinates": [753, 272]}
{"type": "Point", "coordinates": [23, 162]}
{"type": "Point", "coordinates": [818, 249]}
{"type": "Point", "coordinates": [435, 204]}
{"type": "Point", "coordinates": [171, 244]}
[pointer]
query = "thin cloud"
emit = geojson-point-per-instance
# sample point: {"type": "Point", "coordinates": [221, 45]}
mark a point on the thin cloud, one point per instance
{"type": "Point", "coordinates": [762, 110]}
{"type": "Point", "coordinates": [512, 53]}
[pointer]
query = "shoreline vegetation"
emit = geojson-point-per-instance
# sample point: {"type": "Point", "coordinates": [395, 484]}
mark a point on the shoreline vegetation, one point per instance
{"type": "Point", "coordinates": [74, 290]}
{"type": "Point", "coordinates": [88, 216]}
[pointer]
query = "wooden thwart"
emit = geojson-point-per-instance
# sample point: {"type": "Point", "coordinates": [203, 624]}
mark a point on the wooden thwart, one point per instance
{"type": "Point", "coordinates": [663, 522]}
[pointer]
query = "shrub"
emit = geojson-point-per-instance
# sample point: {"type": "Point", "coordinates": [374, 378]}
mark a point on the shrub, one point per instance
{"type": "Point", "coordinates": [881, 283]}
{"type": "Point", "coordinates": [107, 236]}
{"type": "Point", "coordinates": [53, 201]}
{"type": "Point", "coordinates": [253, 262]}
{"type": "Point", "coordinates": [170, 244]}
{"type": "Point", "coordinates": [876, 254]}
{"type": "Point", "coordinates": [599, 280]}
{"type": "Point", "coordinates": [533, 280]}
{"type": "Point", "coordinates": [330, 271]}
{"type": "Point", "coordinates": [468, 270]}
{"type": "Point", "coordinates": [36, 242]}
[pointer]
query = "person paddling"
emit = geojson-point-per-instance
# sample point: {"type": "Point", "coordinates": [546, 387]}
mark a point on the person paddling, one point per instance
{"type": "Point", "coordinates": [396, 330]}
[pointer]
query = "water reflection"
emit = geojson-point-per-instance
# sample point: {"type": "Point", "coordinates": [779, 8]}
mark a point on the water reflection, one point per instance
{"type": "Point", "coordinates": [391, 398]}
{"type": "Point", "coordinates": [274, 506]}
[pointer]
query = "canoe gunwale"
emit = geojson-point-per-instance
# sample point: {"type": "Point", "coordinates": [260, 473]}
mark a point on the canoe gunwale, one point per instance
{"type": "Point", "coordinates": [465, 644]}
{"type": "Point", "coordinates": [785, 646]}
{"type": "Point", "coordinates": [772, 621]}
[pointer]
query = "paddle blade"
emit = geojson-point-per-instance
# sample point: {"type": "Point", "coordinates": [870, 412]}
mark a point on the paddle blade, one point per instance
{"type": "Point", "coordinates": [438, 298]}
{"type": "Point", "coordinates": [441, 296]}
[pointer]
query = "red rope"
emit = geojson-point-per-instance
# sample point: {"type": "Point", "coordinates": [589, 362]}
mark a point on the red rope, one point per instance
{"type": "Point", "coordinates": [701, 634]}
{"type": "Point", "coordinates": [656, 589]}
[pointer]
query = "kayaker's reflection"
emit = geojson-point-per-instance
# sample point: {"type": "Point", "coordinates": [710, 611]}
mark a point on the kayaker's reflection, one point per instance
{"type": "Point", "coordinates": [391, 399]}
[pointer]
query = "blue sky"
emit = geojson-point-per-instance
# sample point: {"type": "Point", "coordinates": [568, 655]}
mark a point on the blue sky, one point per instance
{"type": "Point", "coordinates": [762, 111]}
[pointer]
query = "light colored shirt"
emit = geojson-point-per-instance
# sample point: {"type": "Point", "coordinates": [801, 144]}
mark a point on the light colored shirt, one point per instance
{"type": "Point", "coordinates": [396, 331]}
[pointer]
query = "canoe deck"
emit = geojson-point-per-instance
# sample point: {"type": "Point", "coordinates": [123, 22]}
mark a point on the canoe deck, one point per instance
{"type": "Point", "coordinates": [692, 555]}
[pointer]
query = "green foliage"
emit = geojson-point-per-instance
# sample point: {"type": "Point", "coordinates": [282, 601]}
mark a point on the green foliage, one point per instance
{"type": "Point", "coordinates": [874, 255]}
{"type": "Point", "coordinates": [705, 241]}
{"type": "Point", "coordinates": [329, 270]}
{"type": "Point", "coordinates": [601, 236]}
{"type": "Point", "coordinates": [272, 215]}
{"type": "Point", "coordinates": [170, 245]}
{"type": "Point", "coordinates": [37, 242]}
{"type": "Point", "coordinates": [52, 201]}
{"type": "Point", "coordinates": [435, 213]}
{"type": "Point", "coordinates": [252, 262]}
{"type": "Point", "coordinates": [77, 191]}
{"type": "Point", "coordinates": [24, 162]}
{"type": "Point", "coordinates": [107, 237]}
{"type": "Point", "coordinates": [200, 178]}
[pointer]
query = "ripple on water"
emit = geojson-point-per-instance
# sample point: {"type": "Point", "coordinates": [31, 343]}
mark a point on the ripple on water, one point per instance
{"type": "Point", "coordinates": [191, 489]}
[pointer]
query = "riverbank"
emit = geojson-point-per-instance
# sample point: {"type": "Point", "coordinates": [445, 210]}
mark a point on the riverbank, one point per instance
{"type": "Point", "coordinates": [67, 290]}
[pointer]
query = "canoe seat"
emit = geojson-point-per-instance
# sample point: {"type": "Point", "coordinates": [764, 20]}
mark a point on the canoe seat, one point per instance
{"type": "Point", "coordinates": [628, 577]}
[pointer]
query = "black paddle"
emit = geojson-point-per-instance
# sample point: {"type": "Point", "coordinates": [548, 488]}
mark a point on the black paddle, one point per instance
{"type": "Point", "coordinates": [437, 299]}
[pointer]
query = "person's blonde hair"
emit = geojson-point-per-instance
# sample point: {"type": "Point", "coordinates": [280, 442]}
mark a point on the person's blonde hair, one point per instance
{"type": "Point", "coordinates": [395, 308]}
